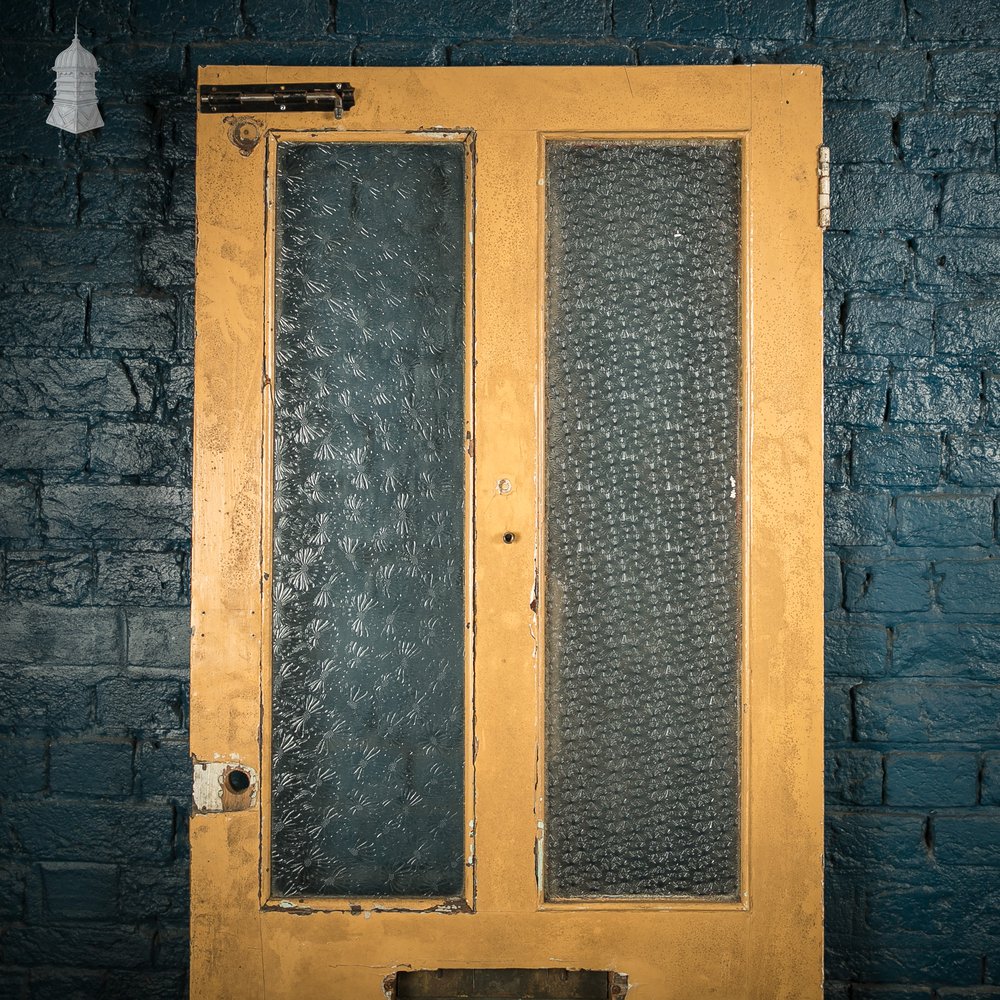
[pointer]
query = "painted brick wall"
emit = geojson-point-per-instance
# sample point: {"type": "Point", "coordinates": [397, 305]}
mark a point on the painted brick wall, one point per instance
{"type": "Point", "coordinates": [95, 390]}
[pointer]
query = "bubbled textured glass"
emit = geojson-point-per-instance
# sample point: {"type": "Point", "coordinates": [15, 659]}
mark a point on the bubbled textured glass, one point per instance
{"type": "Point", "coordinates": [642, 514]}
{"type": "Point", "coordinates": [368, 589]}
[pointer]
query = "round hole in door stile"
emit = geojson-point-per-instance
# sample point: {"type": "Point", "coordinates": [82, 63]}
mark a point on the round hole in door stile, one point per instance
{"type": "Point", "coordinates": [508, 537]}
{"type": "Point", "coordinates": [237, 781]}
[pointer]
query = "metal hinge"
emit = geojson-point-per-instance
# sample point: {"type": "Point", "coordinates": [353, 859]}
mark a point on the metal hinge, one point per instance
{"type": "Point", "coordinates": [216, 99]}
{"type": "Point", "coordinates": [823, 170]}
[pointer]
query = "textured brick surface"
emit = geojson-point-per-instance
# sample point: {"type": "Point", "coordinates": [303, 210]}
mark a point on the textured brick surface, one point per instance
{"type": "Point", "coordinates": [96, 338]}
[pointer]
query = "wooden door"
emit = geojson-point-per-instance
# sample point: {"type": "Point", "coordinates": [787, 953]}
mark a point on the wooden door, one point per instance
{"type": "Point", "coordinates": [507, 572]}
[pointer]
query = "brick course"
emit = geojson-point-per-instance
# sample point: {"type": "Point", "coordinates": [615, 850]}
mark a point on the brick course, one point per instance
{"type": "Point", "coordinates": [96, 337]}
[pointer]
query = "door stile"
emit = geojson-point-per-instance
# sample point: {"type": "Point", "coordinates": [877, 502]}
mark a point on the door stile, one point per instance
{"type": "Point", "coordinates": [786, 536]}
{"type": "Point", "coordinates": [226, 547]}
{"type": "Point", "coordinates": [506, 445]}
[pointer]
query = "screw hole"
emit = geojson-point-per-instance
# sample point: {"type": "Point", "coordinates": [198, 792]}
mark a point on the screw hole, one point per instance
{"type": "Point", "coordinates": [238, 781]}
{"type": "Point", "coordinates": [508, 537]}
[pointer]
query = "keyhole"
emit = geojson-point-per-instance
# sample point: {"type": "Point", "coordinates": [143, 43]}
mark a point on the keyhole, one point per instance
{"type": "Point", "coordinates": [508, 537]}
{"type": "Point", "coordinates": [238, 781]}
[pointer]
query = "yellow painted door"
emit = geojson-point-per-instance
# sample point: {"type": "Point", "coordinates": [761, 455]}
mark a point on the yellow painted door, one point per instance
{"type": "Point", "coordinates": [507, 571]}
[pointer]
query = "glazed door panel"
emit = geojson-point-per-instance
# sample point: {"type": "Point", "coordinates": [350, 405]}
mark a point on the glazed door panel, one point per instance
{"type": "Point", "coordinates": [507, 560]}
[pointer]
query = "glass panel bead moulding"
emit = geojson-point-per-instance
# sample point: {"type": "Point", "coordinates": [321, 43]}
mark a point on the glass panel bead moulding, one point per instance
{"type": "Point", "coordinates": [368, 702]}
{"type": "Point", "coordinates": [642, 508]}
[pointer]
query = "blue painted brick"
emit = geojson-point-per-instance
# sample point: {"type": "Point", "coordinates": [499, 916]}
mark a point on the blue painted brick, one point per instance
{"type": "Point", "coordinates": [877, 20]}
{"type": "Point", "coordinates": [12, 895]}
{"type": "Point", "coordinates": [138, 707]}
{"type": "Point", "coordinates": [855, 395]}
{"type": "Point", "coordinates": [172, 947]}
{"type": "Point", "coordinates": [187, 19]}
{"type": "Point", "coordinates": [88, 947]}
{"type": "Point", "coordinates": [967, 75]}
{"type": "Point", "coordinates": [425, 18]}
{"type": "Point", "coordinates": [671, 18]}
{"type": "Point", "coordinates": [22, 766]}
{"type": "Point", "coordinates": [101, 19]}
{"type": "Point", "coordinates": [306, 19]}
{"type": "Point", "coordinates": [18, 510]}
{"type": "Point", "coordinates": [42, 319]}
{"type": "Point", "coordinates": [889, 586]}
{"type": "Point", "coordinates": [974, 460]}
{"type": "Point", "coordinates": [883, 991]}
{"type": "Point", "coordinates": [784, 20]}
{"type": "Point", "coordinates": [44, 445]}
{"type": "Point", "coordinates": [158, 513]}
{"type": "Point", "coordinates": [894, 458]}
{"type": "Point", "coordinates": [66, 385]}
{"type": "Point", "coordinates": [855, 650]}
{"type": "Point", "coordinates": [167, 257]}
{"type": "Point", "coordinates": [968, 327]}
{"type": "Point", "coordinates": [150, 891]}
{"type": "Point", "coordinates": [36, 633]}
{"type": "Point", "coordinates": [79, 892]}
{"type": "Point", "coordinates": [39, 196]}
{"type": "Point", "coordinates": [883, 73]}
{"type": "Point", "coordinates": [93, 831]}
{"type": "Point", "coordinates": [888, 325]}
{"type": "Point", "coordinates": [958, 266]}
{"type": "Point", "coordinates": [865, 262]}
{"type": "Point", "coordinates": [899, 711]}
{"type": "Point", "coordinates": [50, 577]}
{"type": "Point", "coordinates": [41, 701]}
{"type": "Point", "coordinates": [159, 637]}
{"type": "Point", "coordinates": [967, 839]}
{"type": "Point", "coordinates": [971, 199]}
{"type": "Point", "coordinates": [136, 449]}
{"type": "Point", "coordinates": [943, 20]}
{"type": "Point", "coordinates": [877, 841]}
{"type": "Point", "coordinates": [837, 713]}
{"type": "Point", "coordinates": [108, 984]}
{"type": "Point", "coordinates": [990, 792]}
{"type": "Point", "coordinates": [943, 141]}
{"type": "Point", "coordinates": [91, 768]}
{"type": "Point", "coordinates": [832, 582]}
{"type": "Point", "coordinates": [944, 520]}
{"type": "Point", "coordinates": [875, 197]}
{"type": "Point", "coordinates": [596, 53]}
{"type": "Point", "coordinates": [854, 777]}
{"type": "Point", "coordinates": [331, 51]}
{"type": "Point", "coordinates": [575, 18]}
{"type": "Point", "coordinates": [408, 53]}
{"type": "Point", "coordinates": [151, 579]}
{"type": "Point", "coordinates": [858, 134]}
{"type": "Point", "coordinates": [668, 54]}
{"type": "Point", "coordinates": [60, 256]}
{"type": "Point", "coordinates": [968, 993]}
{"type": "Point", "coordinates": [164, 768]}
{"type": "Point", "coordinates": [856, 518]}
{"type": "Point", "coordinates": [938, 395]}
{"type": "Point", "coordinates": [30, 19]}
{"type": "Point", "coordinates": [903, 956]}
{"type": "Point", "coordinates": [931, 779]}
{"type": "Point", "coordinates": [129, 321]}
{"type": "Point", "coordinates": [837, 445]}
{"type": "Point", "coordinates": [991, 395]}
{"type": "Point", "coordinates": [936, 650]}
{"type": "Point", "coordinates": [969, 587]}
{"type": "Point", "coordinates": [120, 197]}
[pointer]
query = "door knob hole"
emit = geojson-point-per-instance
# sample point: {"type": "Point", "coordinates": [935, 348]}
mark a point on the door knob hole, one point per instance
{"type": "Point", "coordinates": [238, 781]}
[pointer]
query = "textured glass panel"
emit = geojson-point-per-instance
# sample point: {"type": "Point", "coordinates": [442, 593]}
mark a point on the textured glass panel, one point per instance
{"type": "Point", "coordinates": [642, 515]}
{"type": "Point", "coordinates": [368, 623]}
